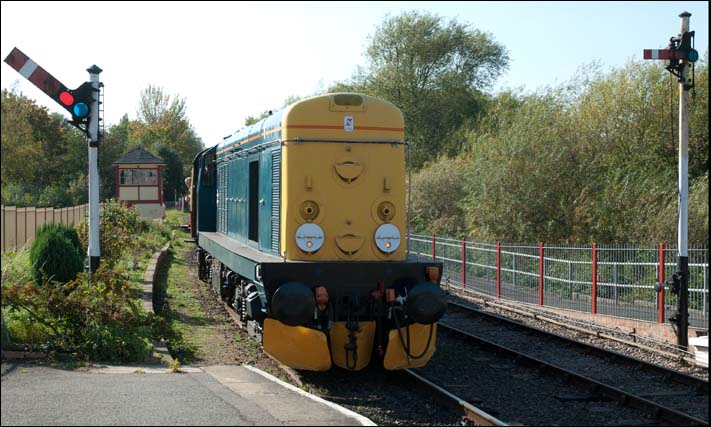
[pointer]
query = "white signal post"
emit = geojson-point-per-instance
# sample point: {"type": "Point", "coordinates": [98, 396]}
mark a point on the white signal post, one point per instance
{"type": "Point", "coordinates": [94, 249]}
{"type": "Point", "coordinates": [683, 227]}
{"type": "Point", "coordinates": [681, 55]}
{"type": "Point", "coordinates": [59, 92]}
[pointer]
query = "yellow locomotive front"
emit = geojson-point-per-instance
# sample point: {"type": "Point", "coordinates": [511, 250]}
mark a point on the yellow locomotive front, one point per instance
{"type": "Point", "coordinates": [343, 180]}
{"type": "Point", "coordinates": [343, 231]}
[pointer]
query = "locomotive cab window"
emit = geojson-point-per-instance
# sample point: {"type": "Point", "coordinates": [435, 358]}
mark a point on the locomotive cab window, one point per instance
{"type": "Point", "coordinates": [208, 170]}
{"type": "Point", "coordinates": [254, 201]}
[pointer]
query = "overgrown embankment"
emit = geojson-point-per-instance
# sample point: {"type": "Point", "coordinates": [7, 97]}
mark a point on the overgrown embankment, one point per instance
{"type": "Point", "coordinates": [93, 317]}
{"type": "Point", "coordinates": [201, 330]}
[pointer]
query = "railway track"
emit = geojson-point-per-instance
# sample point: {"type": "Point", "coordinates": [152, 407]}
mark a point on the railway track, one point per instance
{"type": "Point", "coordinates": [484, 382]}
{"type": "Point", "coordinates": [467, 410]}
{"type": "Point", "coordinates": [654, 351]}
{"type": "Point", "coordinates": [387, 398]}
{"type": "Point", "coordinates": [667, 396]}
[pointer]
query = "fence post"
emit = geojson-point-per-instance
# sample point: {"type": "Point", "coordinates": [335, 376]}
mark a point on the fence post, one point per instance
{"type": "Point", "coordinates": [464, 263]}
{"type": "Point", "coordinates": [594, 278]}
{"type": "Point", "coordinates": [660, 297]}
{"type": "Point", "coordinates": [434, 257]}
{"type": "Point", "coordinates": [541, 271]}
{"type": "Point", "coordinates": [3, 229]}
{"type": "Point", "coordinates": [513, 267]}
{"type": "Point", "coordinates": [498, 269]}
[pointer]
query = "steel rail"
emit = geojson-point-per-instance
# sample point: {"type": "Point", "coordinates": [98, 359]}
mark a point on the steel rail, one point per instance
{"type": "Point", "coordinates": [680, 377]}
{"type": "Point", "coordinates": [469, 411]}
{"type": "Point", "coordinates": [546, 318]}
{"type": "Point", "coordinates": [667, 415]}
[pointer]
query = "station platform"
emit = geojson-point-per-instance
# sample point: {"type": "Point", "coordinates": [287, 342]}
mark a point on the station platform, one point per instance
{"type": "Point", "coordinates": [37, 394]}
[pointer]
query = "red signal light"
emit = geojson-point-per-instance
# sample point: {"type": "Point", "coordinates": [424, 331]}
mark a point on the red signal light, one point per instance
{"type": "Point", "coordinates": [66, 98]}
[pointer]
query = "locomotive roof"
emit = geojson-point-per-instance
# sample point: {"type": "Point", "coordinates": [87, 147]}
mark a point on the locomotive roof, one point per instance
{"type": "Point", "coordinates": [269, 129]}
{"type": "Point", "coordinates": [249, 133]}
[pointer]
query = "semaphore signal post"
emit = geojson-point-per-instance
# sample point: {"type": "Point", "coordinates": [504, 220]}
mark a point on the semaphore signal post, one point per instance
{"type": "Point", "coordinates": [83, 104]}
{"type": "Point", "coordinates": [681, 56]}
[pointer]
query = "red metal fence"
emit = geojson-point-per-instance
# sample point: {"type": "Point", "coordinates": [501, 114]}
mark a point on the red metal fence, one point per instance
{"type": "Point", "coordinates": [614, 280]}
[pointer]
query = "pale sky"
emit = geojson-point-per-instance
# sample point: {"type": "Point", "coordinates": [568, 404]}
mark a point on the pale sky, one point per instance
{"type": "Point", "coordinates": [231, 60]}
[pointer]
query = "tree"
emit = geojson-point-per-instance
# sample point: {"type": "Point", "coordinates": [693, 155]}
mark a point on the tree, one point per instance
{"type": "Point", "coordinates": [164, 122]}
{"type": "Point", "coordinates": [435, 72]}
{"type": "Point", "coordinates": [173, 179]}
{"type": "Point", "coordinates": [116, 143]}
{"type": "Point", "coordinates": [162, 128]}
{"type": "Point", "coordinates": [43, 157]}
{"type": "Point", "coordinates": [437, 192]}
{"type": "Point", "coordinates": [592, 160]}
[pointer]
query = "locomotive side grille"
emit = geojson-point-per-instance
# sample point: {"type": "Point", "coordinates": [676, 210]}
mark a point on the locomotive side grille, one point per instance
{"type": "Point", "coordinates": [222, 189]}
{"type": "Point", "coordinates": [276, 197]}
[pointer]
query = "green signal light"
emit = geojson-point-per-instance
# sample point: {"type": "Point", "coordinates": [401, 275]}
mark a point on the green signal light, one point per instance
{"type": "Point", "coordinates": [80, 110]}
{"type": "Point", "coordinates": [692, 55]}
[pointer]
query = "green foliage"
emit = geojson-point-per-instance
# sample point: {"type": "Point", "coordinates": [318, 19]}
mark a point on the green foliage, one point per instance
{"type": "Point", "coordinates": [25, 331]}
{"type": "Point", "coordinates": [56, 254]}
{"type": "Point", "coordinates": [162, 128]}
{"type": "Point", "coordinates": [67, 231]}
{"type": "Point", "coordinates": [435, 71]}
{"type": "Point", "coordinates": [43, 157]}
{"type": "Point", "coordinates": [163, 122]}
{"type": "Point", "coordinates": [591, 160]}
{"type": "Point", "coordinates": [436, 194]}
{"type": "Point", "coordinates": [118, 225]}
{"type": "Point", "coordinates": [97, 317]}
{"type": "Point", "coordinates": [173, 179]}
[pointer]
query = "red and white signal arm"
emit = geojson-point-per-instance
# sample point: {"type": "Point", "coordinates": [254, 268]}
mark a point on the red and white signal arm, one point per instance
{"type": "Point", "coordinates": [668, 54]}
{"type": "Point", "coordinates": [35, 74]}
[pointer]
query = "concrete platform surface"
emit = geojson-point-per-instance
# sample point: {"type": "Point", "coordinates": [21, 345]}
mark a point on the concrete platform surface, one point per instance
{"type": "Point", "coordinates": [148, 395]}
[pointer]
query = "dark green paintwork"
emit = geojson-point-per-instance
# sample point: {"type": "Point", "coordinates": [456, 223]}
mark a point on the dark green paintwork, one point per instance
{"type": "Point", "coordinates": [237, 197]}
{"type": "Point", "coordinates": [206, 192]}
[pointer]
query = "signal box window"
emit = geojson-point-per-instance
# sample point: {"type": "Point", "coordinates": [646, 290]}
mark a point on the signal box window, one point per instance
{"type": "Point", "coordinates": [139, 177]}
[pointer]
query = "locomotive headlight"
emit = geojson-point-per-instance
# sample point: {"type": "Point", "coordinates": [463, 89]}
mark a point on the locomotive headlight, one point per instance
{"type": "Point", "coordinates": [387, 238]}
{"type": "Point", "coordinates": [309, 237]}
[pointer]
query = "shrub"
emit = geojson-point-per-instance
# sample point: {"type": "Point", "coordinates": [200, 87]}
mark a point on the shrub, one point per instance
{"type": "Point", "coordinates": [100, 319]}
{"type": "Point", "coordinates": [69, 232]}
{"type": "Point", "coordinates": [118, 225]}
{"type": "Point", "coordinates": [437, 191]}
{"type": "Point", "coordinates": [56, 254]}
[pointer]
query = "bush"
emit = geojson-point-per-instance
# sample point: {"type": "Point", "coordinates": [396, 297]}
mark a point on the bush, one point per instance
{"type": "Point", "coordinates": [118, 226]}
{"type": "Point", "coordinates": [437, 192]}
{"type": "Point", "coordinates": [69, 232]}
{"type": "Point", "coordinates": [100, 319]}
{"type": "Point", "coordinates": [56, 253]}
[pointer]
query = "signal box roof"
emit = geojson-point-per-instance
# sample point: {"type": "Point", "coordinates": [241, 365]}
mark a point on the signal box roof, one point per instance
{"type": "Point", "coordinates": [139, 156]}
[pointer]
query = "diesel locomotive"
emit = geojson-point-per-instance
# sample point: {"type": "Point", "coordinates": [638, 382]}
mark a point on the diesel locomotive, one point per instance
{"type": "Point", "coordinates": [301, 225]}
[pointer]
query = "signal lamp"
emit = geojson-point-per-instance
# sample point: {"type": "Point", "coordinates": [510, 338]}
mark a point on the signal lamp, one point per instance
{"type": "Point", "coordinates": [692, 55]}
{"type": "Point", "coordinates": [77, 101]}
